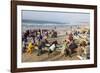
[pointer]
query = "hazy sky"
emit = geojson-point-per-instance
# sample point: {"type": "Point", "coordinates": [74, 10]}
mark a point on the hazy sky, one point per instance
{"type": "Point", "coordinates": [57, 17]}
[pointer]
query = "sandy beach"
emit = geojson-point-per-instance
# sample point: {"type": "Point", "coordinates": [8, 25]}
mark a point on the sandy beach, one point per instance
{"type": "Point", "coordinates": [56, 55]}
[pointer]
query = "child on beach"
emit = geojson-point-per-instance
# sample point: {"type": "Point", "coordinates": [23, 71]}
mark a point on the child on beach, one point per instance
{"type": "Point", "coordinates": [64, 46]}
{"type": "Point", "coordinates": [30, 47]}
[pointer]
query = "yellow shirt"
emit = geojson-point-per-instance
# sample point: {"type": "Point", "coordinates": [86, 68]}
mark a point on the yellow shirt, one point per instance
{"type": "Point", "coordinates": [30, 46]}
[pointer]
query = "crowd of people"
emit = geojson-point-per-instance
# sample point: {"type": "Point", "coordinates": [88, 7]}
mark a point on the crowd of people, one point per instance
{"type": "Point", "coordinates": [38, 40]}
